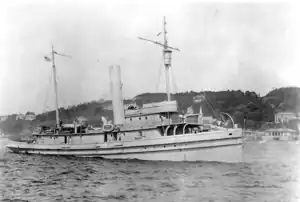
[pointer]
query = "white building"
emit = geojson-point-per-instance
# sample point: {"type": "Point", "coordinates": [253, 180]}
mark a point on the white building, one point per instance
{"type": "Point", "coordinates": [280, 134]}
{"type": "Point", "coordinates": [20, 117]}
{"type": "Point", "coordinates": [3, 118]}
{"type": "Point", "coordinates": [286, 116]}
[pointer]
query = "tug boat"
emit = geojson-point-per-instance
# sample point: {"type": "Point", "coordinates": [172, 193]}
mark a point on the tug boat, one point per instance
{"type": "Point", "coordinates": [155, 131]}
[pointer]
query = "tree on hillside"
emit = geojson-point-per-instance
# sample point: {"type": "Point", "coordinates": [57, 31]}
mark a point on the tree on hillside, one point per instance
{"type": "Point", "coordinates": [98, 110]}
{"type": "Point", "coordinates": [232, 102]}
{"type": "Point", "coordinates": [29, 113]}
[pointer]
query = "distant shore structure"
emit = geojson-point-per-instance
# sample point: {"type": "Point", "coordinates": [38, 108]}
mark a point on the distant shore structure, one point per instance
{"type": "Point", "coordinates": [285, 134]}
{"type": "Point", "coordinates": [286, 116]}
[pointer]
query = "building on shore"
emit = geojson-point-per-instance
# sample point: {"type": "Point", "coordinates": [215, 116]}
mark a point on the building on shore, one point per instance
{"type": "Point", "coordinates": [281, 117]}
{"type": "Point", "coordinates": [285, 134]}
{"type": "Point", "coordinates": [20, 117]}
{"type": "Point", "coordinates": [3, 118]}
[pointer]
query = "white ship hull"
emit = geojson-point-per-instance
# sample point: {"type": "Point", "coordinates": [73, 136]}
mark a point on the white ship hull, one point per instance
{"type": "Point", "coordinates": [211, 146]}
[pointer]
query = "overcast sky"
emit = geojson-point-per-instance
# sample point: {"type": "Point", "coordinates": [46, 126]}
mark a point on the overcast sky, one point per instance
{"type": "Point", "coordinates": [223, 46]}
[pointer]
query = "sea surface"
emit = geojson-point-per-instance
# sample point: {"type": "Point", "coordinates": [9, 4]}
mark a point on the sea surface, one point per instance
{"type": "Point", "coordinates": [270, 172]}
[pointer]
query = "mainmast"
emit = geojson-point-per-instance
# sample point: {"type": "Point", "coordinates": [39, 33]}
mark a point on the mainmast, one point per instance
{"type": "Point", "coordinates": [167, 57]}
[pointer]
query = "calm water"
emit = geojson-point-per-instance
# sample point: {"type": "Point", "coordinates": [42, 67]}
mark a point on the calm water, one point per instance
{"type": "Point", "coordinates": [270, 172]}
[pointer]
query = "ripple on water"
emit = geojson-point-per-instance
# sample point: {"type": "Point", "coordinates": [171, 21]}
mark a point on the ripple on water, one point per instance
{"type": "Point", "coordinates": [266, 175]}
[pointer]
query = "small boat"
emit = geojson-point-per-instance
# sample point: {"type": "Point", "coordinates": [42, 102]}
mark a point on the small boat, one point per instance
{"type": "Point", "coordinates": [155, 131]}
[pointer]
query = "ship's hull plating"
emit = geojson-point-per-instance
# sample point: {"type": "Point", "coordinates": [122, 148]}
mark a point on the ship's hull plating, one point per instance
{"type": "Point", "coordinates": [192, 147]}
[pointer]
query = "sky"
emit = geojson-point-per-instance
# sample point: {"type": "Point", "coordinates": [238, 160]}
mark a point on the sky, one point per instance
{"type": "Point", "coordinates": [247, 46]}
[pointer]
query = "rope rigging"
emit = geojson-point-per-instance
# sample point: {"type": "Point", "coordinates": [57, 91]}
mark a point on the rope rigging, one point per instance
{"type": "Point", "coordinates": [55, 82]}
{"type": "Point", "coordinates": [166, 56]}
{"type": "Point", "coordinates": [159, 73]}
{"type": "Point", "coordinates": [175, 89]}
{"type": "Point", "coordinates": [174, 81]}
{"type": "Point", "coordinates": [215, 111]}
{"type": "Point", "coordinates": [46, 107]}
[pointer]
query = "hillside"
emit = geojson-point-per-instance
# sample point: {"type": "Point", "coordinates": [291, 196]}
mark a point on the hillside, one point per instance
{"type": "Point", "coordinates": [285, 99]}
{"type": "Point", "coordinates": [253, 107]}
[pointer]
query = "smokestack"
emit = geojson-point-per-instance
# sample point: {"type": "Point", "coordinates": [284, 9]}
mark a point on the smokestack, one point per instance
{"type": "Point", "coordinates": [116, 93]}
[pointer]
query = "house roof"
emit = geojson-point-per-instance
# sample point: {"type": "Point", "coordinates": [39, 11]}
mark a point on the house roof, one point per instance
{"type": "Point", "coordinates": [288, 112]}
{"type": "Point", "coordinates": [281, 130]}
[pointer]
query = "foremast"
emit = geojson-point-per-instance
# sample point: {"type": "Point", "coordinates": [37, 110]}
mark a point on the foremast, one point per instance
{"type": "Point", "coordinates": [55, 85]}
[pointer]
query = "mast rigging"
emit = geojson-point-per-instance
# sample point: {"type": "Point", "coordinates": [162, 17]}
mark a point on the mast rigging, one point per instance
{"type": "Point", "coordinates": [167, 56]}
{"type": "Point", "coordinates": [53, 53]}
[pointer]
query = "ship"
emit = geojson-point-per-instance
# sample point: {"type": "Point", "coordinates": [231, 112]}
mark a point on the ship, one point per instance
{"type": "Point", "coordinates": [152, 132]}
